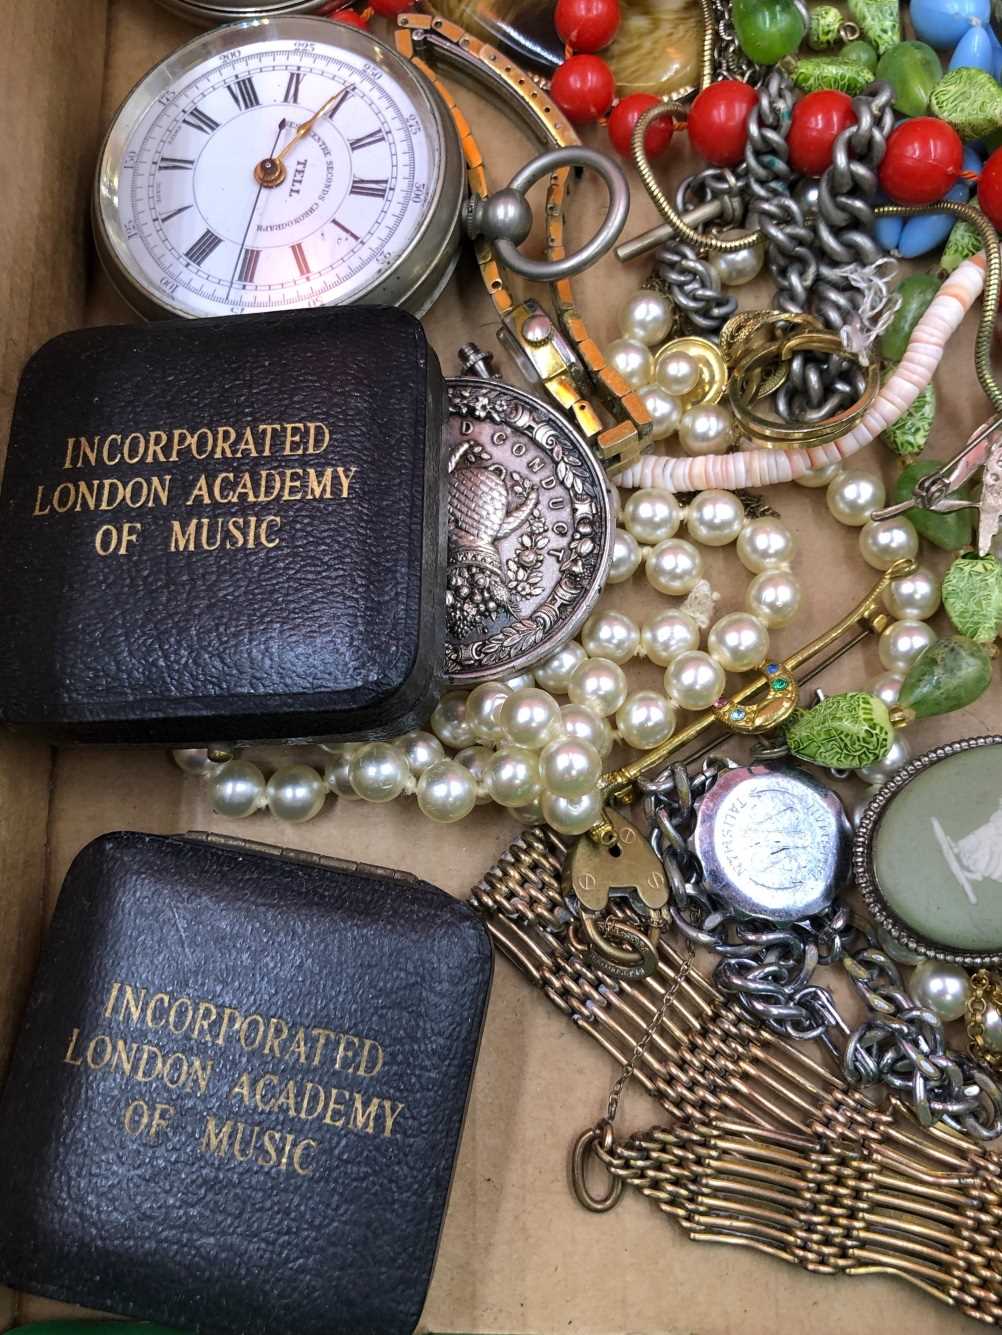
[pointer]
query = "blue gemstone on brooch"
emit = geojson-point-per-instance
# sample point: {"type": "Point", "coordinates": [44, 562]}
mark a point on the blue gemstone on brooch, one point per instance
{"type": "Point", "coordinates": [771, 668]}
{"type": "Point", "coordinates": [737, 714]}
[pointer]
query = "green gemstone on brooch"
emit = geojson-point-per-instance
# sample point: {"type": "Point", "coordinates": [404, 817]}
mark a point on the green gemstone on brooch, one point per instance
{"type": "Point", "coordinates": [880, 21]}
{"type": "Point", "coordinates": [780, 684]}
{"type": "Point", "coordinates": [950, 531]}
{"type": "Point", "coordinates": [972, 597]}
{"type": "Point", "coordinates": [964, 241]}
{"type": "Point", "coordinates": [949, 675]}
{"type": "Point", "coordinates": [970, 100]}
{"type": "Point", "coordinates": [826, 22]}
{"type": "Point", "coordinates": [907, 436]}
{"type": "Point", "coordinates": [842, 731]}
{"type": "Point", "coordinates": [815, 73]}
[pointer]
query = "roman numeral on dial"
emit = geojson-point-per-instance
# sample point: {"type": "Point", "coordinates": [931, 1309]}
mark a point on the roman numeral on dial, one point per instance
{"type": "Point", "coordinates": [175, 164]}
{"type": "Point", "coordinates": [343, 96]}
{"type": "Point", "coordinates": [302, 263]}
{"type": "Point", "coordinates": [247, 271]}
{"type": "Point", "coordinates": [366, 140]}
{"type": "Point", "coordinates": [244, 93]}
{"type": "Point", "coordinates": [200, 120]}
{"type": "Point", "coordinates": [203, 247]}
{"type": "Point", "coordinates": [294, 86]}
{"type": "Point", "coordinates": [375, 189]}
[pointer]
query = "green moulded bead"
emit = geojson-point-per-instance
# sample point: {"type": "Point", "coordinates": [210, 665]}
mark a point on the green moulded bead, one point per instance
{"type": "Point", "coordinates": [823, 34]}
{"type": "Point", "coordinates": [916, 293]}
{"type": "Point", "coordinates": [913, 71]}
{"type": "Point", "coordinates": [950, 531]}
{"type": "Point", "coordinates": [842, 731]}
{"type": "Point", "coordinates": [970, 100]}
{"type": "Point", "coordinates": [815, 73]}
{"type": "Point", "coordinates": [768, 30]}
{"type": "Point", "coordinates": [908, 435]}
{"type": "Point", "coordinates": [949, 675]}
{"type": "Point", "coordinates": [963, 242]}
{"type": "Point", "coordinates": [972, 597]}
{"type": "Point", "coordinates": [880, 21]}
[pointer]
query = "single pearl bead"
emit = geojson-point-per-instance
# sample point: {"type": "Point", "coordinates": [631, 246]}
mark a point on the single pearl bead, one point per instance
{"type": "Point", "coordinates": [819, 477]}
{"type": "Point", "coordinates": [652, 515]}
{"type": "Point", "coordinates": [913, 597]}
{"type": "Point", "coordinates": [569, 767]}
{"type": "Point", "coordinates": [530, 814]}
{"type": "Point", "coordinates": [677, 373]}
{"type": "Point", "coordinates": [450, 723]}
{"type": "Point", "coordinates": [942, 987]}
{"type": "Point", "coordinates": [883, 542]}
{"type": "Point", "coordinates": [580, 722]}
{"type": "Point", "coordinates": [555, 674]}
{"type": "Point", "coordinates": [881, 770]}
{"type": "Point", "coordinates": [674, 566]}
{"type": "Point", "coordinates": [665, 411]}
{"type": "Point", "coordinates": [571, 815]}
{"type": "Point", "coordinates": [476, 759]}
{"type": "Point", "coordinates": [483, 709]}
{"type": "Point", "coordinates": [420, 749]}
{"type": "Point", "coordinates": [599, 685]}
{"type": "Point", "coordinates": [738, 641]}
{"type": "Point", "coordinates": [632, 360]}
{"type": "Point", "coordinates": [615, 500]}
{"type": "Point", "coordinates": [853, 495]}
{"type": "Point", "coordinates": [610, 634]}
{"type": "Point", "coordinates": [668, 633]}
{"type": "Point", "coordinates": [512, 776]}
{"type": "Point", "coordinates": [626, 556]}
{"type": "Point", "coordinates": [337, 774]}
{"type": "Point", "coordinates": [734, 268]}
{"type": "Point", "coordinates": [379, 772]}
{"type": "Point", "coordinates": [991, 1024]}
{"type": "Point", "coordinates": [645, 720]}
{"type": "Point", "coordinates": [647, 317]}
{"type": "Point", "coordinates": [765, 544]}
{"type": "Point", "coordinates": [529, 717]}
{"type": "Point", "coordinates": [446, 792]}
{"type": "Point", "coordinates": [774, 597]}
{"type": "Point", "coordinates": [715, 518]}
{"type": "Point", "coordinates": [897, 950]}
{"type": "Point", "coordinates": [519, 680]}
{"type": "Point", "coordinates": [887, 687]}
{"type": "Point", "coordinates": [194, 760]}
{"type": "Point", "coordinates": [902, 642]}
{"type": "Point", "coordinates": [295, 793]}
{"type": "Point", "coordinates": [694, 680]}
{"type": "Point", "coordinates": [707, 428]}
{"type": "Point", "coordinates": [237, 789]}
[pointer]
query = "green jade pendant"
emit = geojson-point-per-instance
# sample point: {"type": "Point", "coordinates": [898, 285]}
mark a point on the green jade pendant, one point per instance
{"type": "Point", "coordinates": [972, 597]}
{"type": "Point", "coordinates": [951, 674]}
{"type": "Point", "coordinates": [768, 30]}
{"type": "Point", "coordinates": [842, 731]}
{"type": "Point", "coordinates": [913, 70]}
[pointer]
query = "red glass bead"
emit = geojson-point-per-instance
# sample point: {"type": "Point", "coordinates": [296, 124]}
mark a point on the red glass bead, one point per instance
{"type": "Point", "coordinates": [990, 188]}
{"type": "Point", "coordinates": [350, 17]}
{"type": "Point", "coordinates": [818, 120]}
{"type": "Point", "coordinates": [583, 88]}
{"type": "Point", "coordinates": [586, 25]}
{"type": "Point", "coordinates": [924, 157]}
{"type": "Point", "coordinates": [391, 8]}
{"type": "Point", "coordinates": [718, 122]}
{"type": "Point", "coordinates": [624, 117]}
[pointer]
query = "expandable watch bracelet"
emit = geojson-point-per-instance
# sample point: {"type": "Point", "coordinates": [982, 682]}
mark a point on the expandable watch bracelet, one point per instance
{"type": "Point", "coordinates": [563, 368]}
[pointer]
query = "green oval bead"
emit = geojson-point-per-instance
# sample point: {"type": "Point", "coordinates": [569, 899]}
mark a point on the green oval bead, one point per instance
{"type": "Point", "coordinates": [913, 70]}
{"type": "Point", "coordinates": [963, 242]}
{"type": "Point", "coordinates": [950, 531]}
{"type": "Point", "coordinates": [970, 100]}
{"type": "Point", "coordinates": [826, 23]}
{"type": "Point", "coordinates": [842, 731]}
{"type": "Point", "coordinates": [814, 73]}
{"type": "Point", "coordinates": [768, 30]}
{"type": "Point", "coordinates": [916, 292]}
{"type": "Point", "coordinates": [972, 597]}
{"type": "Point", "coordinates": [860, 52]}
{"type": "Point", "coordinates": [880, 21]}
{"type": "Point", "coordinates": [908, 435]}
{"type": "Point", "coordinates": [949, 675]}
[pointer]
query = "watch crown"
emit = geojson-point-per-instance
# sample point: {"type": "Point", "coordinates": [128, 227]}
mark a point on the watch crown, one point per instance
{"type": "Point", "coordinates": [474, 360]}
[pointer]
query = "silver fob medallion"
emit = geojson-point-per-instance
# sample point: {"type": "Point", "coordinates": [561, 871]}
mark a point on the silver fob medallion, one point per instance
{"type": "Point", "coordinates": [773, 841]}
{"type": "Point", "coordinates": [530, 531]}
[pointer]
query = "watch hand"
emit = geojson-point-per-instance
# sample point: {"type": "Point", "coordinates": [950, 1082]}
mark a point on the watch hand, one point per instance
{"type": "Point", "coordinates": [257, 198]}
{"type": "Point", "coordinates": [271, 170]}
{"type": "Point", "coordinates": [305, 128]}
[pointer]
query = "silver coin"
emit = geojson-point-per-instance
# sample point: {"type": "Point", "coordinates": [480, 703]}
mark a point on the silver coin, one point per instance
{"type": "Point", "coordinates": [530, 531]}
{"type": "Point", "coordinates": [773, 841]}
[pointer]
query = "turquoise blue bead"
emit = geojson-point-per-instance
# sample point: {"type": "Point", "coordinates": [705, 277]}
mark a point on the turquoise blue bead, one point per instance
{"type": "Point", "coordinates": [974, 51]}
{"type": "Point", "coordinates": [888, 230]}
{"type": "Point", "coordinates": [920, 235]}
{"type": "Point", "coordinates": [942, 23]}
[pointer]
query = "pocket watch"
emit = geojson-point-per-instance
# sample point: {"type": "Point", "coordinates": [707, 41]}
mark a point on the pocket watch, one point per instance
{"type": "Point", "coordinates": [275, 163]}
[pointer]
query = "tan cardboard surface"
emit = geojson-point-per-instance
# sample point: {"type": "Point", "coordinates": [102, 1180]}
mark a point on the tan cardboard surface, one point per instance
{"type": "Point", "coordinates": [518, 1255]}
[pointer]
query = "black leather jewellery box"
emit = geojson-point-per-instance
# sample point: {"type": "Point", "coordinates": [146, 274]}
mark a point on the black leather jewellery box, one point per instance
{"type": "Point", "coordinates": [225, 530]}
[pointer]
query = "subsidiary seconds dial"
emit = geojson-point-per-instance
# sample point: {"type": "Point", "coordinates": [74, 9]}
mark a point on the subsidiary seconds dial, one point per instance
{"type": "Point", "coordinates": [280, 163]}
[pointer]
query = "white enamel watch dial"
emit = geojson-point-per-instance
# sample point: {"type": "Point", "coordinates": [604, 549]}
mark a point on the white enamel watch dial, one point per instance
{"type": "Point", "coordinates": [279, 163]}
